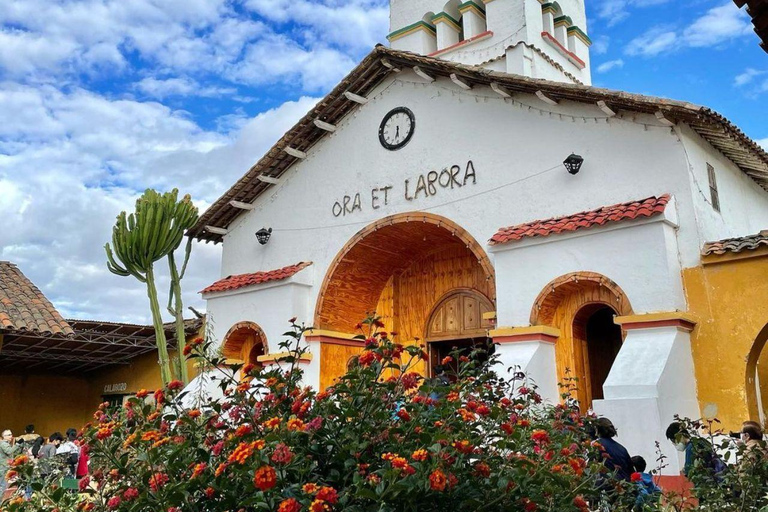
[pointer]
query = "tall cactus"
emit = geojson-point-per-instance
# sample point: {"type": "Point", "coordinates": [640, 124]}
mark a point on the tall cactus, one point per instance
{"type": "Point", "coordinates": [151, 233]}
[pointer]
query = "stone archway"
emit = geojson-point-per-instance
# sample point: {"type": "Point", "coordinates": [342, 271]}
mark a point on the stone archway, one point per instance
{"type": "Point", "coordinates": [400, 266]}
{"type": "Point", "coordinates": [245, 341]}
{"type": "Point", "coordinates": [568, 303]}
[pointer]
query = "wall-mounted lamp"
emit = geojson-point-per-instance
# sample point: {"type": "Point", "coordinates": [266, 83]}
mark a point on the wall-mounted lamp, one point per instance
{"type": "Point", "coordinates": [573, 163]}
{"type": "Point", "coordinates": [263, 235]}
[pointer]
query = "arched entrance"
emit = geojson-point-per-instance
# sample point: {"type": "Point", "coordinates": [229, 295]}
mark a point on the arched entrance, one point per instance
{"type": "Point", "coordinates": [245, 341]}
{"type": "Point", "coordinates": [582, 306]}
{"type": "Point", "coordinates": [757, 378]}
{"type": "Point", "coordinates": [456, 323]}
{"type": "Point", "coordinates": [400, 267]}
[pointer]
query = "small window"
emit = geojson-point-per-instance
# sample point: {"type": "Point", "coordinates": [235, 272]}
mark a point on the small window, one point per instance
{"type": "Point", "coordinates": [713, 193]}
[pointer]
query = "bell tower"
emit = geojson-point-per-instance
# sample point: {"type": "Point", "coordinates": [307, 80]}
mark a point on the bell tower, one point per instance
{"type": "Point", "coordinates": [534, 38]}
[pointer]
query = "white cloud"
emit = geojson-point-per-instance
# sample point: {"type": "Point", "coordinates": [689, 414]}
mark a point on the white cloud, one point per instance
{"type": "Point", "coordinates": [183, 86]}
{"type": "Point", "coordinates": [614, 11]}
{"type": "Point", "coordinates": [747, 76]}
{"type": "Point", "coordinates": [717, 26]}
{"type": "Point", "coordinates": [611, 64]}
{"type": "Point", "coordinates": [71, 160]}
{"type": "Point", "coordinates": [653, 42]}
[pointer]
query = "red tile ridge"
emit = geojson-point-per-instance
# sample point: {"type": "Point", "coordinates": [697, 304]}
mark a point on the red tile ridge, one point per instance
{"type": "Point", "coordinates": [647, 207]}
{"type": "Point", "coordinates": [237, 281]}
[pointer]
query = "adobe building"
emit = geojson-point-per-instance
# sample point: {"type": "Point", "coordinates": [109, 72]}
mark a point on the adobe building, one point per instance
{"type": "Point", "coordinates": [468, 183]}
{"type": "Point", "coordinates": [54, 372]}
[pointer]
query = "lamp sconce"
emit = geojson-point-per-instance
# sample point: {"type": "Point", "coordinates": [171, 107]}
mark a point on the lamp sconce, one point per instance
{"type": "Point", "coordinates": [263, 235]}
{"type": "Point", "coordinates": [573, 163]}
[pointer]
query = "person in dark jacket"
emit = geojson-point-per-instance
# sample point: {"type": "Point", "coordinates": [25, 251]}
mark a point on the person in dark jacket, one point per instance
{"type": "Point", "coordinates": [615, 457]}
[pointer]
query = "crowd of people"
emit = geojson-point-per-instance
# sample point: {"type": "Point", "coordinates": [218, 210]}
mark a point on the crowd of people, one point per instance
{"type": "Point", "coordinates": [57, 452]}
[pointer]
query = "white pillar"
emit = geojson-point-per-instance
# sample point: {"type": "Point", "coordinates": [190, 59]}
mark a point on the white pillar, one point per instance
{"type": "Point", "coordinates": [418, 38]}
{"type": "Point", "coordinates": [473, 19]}
{"type": "Point", "coordinates": [448, 30]}
{"type": "Point", "coordinates": [530, 350]}
{"type": "Point", "coordinates": [561, 29]}
{"type": "Point", "coordinates": [651, 380]}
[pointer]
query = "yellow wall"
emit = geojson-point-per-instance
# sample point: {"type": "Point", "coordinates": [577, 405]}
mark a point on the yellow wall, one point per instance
{"type": "Point", "coordinates": [56, 402]}
{"type": "Point", "coordinates": [729, 297]}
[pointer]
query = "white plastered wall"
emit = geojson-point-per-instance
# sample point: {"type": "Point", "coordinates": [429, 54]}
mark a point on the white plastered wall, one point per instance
{"type": "Point", "coordinates": [743, 203]}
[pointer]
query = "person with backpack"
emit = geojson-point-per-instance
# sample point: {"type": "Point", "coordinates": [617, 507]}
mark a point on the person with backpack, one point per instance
{"type": "Point", "coordinates": [697, 451]}
{"type": "Point", "coordinates": [32, 441]}
{"type": "Point", "coordinates": [47, 455]}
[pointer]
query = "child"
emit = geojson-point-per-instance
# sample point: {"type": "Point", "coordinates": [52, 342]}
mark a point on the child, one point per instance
{"type": "Point", "coordinates": [648, 492]}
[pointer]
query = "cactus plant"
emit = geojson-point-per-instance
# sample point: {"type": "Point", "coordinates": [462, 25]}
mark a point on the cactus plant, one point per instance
{"type": "Point", "coordinates": [154, 231]}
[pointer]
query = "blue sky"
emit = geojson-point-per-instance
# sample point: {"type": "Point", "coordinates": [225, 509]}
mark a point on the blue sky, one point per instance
{"type": "Point", "coordinates": [100, 99]}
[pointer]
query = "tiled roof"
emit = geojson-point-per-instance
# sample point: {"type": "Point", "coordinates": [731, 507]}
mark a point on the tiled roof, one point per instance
{"type": "Point", "coordinates": [23, 307]}
{"type": "Point", "coordinates": [758, 10]}
{"type": "Point", "coordinates": [241, 280]}
{"type": "Point", "coordinates": [723, 135]}
{"type": "Point", "coordinates": [739, 244]}
{"type": "Point", "coordinates": [603, 215]}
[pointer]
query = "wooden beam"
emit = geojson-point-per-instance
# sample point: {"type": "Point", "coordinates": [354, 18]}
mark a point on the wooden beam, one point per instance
{"type": "Point", "coordinates": [605, 108]}
{"type": "Point", "coordinates": [295, 152]}
{"type": "Point", "coordinates": [268, 179]}
{"type": "Point", "coordinates": [500, 90]}
{"type": "Point", "coordinates": [663, 120]}
{"type": "Point", "coordinates": [460, 82]}
{"type": "Point", "coordinates": [216, 231]}
{"type": "Point", "coordinates": [356, 98]}
{"type": "Point", "coordinates": [546, 99]}
{"type": "Point", "coordinates": [241, 205]}
{"type": "Point", "coordinates": [389, 65]}
{"type": "Point", "coordinates": [423, 74]}
{"type": "Point", "coordinates": [325, 126]}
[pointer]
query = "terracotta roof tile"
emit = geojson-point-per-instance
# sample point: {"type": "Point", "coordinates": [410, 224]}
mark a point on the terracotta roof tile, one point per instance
{"type": "Point", "coordinates": [744, 243]}
{"type": "Point", "coordinates": [242, 280]}
{"type": "Point", "coordinates": [631, 210]}
{"type": "Point", "coordinates": [23, 307]}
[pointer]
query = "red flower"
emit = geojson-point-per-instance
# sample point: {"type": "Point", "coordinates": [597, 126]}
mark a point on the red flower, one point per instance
{"type": "Point", "coordinates": [198, 470]}
{"type": "Point", "coordinates": [328, 494]}
{"type": "Point", "coordinates": [580, 503]}
{"type": "Point", "coordinates": [157, 481]}
{"type": "Point", "coordinates": [265, 478]}
{"type": "Point", "coordinates": [446, 360]}
{"type": "Point", "coordinates": [130, 494]}
{"type": "Point", "coordinates": [540, 437]}
{"type": "Point", "coordinates": [113, 502]}
{"type": "Point", "coordinates": [289, 505]}
{"type": "Point", "coordinates": [528, 505]}
{"type": "Point", "coordinates": [437, 481]}
{"type": "Point", "coordinates": [210, 492]}
{"type": "Point", "coordinates": [175, 385]}
{"type": "Point", "coordinates": [636, 477]}
{"type": "Point", "coordinates": [187, 350]}
{"type": "Point", "coordinates": [410, 380]}
{"type": "Point", "coordinates": [247, 369]}
{"type": "Point", "coordinates": [366, 358]}
{"type": "Point", "coordinates": [483, 469]}
{"type": "Point", "coordinates": [292, 320]}
{"type": "Point", "coordinates": [83, 484]}
{"type": "Point", "coordinates": [282, 454]}
{"type": "Point", "coordinates": [159, 396]}
{"type": "Point", "coordinates": [403, 415]}
{"type": "Point", "coordinates": [194, 413]}
{"type": "Point", "coordinates": [244, 430]}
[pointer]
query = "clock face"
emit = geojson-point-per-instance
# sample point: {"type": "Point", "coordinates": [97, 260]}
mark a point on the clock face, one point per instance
{"type": "Point", "coordinates": [397, 128]}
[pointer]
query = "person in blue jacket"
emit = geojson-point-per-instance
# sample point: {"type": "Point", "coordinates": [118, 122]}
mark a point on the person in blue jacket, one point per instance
{"type": "Point", "coordinates": [648, 491]}
{"type": "Point", "coordinates": [615, 457]}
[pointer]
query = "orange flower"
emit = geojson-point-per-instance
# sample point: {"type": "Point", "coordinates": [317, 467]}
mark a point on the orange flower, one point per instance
{"type": "Point", "coordinates": [289, 505]}
{"type": "Point", "coordinates": [540, 437]}
{"type": "Point", "coordinates": [399, 462]}
{"type": "Point", "coordinates": [265, 478]}
{"type": "Point", "coordinates": [194, 413]}
{"type": "Point", "coordinates": [310, 488]}
{"type": "Point", "coordinates": [319, 506]}
{"type": "Point", "coordinates": [366, 358]}
{"type": "Point", "coordinates": [19, 460]}
{"type": "Point", "coordinates": [462, 446]}
{"type": "Point", "coordinates": [437, 481]}
{"type": "Point", "coordinates": [152, 435]}
{"type": "Point", "coordinates": [198, 470]}
{"type": "Point", "coordinates": [142, 393]}
{"type": "Point", "coordinates": [420, 455]}
{"type": "Point", "coordinates": [272, 423]}
{"type": "Point", "coordinates": [295, 424]}
{"type": "Point", "coordinates": [243, 451]}
{"type": "Point", "coordinates": [446, 360]}
{"type": "Point", "coordinates": [220, 469]}
{"type": "Point", "coordinates": [389, 456]}
{"type": "Point", "coordinates": [482, 469]}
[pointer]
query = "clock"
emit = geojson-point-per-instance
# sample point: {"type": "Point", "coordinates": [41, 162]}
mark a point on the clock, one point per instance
{"type": "Point", "coordinates": [397, 128]}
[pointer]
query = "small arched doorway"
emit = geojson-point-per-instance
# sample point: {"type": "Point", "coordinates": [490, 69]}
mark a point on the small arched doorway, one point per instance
{"type": "Point", "coordinates": [456, 323]}
{"type": "Point", "coordinates": [245, 342]}
{"type": "Point", "coordinates": [582, 305]}
{"type": "Point", "coordinates": [599, 341]}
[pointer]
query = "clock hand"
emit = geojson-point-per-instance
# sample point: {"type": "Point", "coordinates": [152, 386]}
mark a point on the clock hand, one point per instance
{"type": "Point", "coordinates": [397, 133]}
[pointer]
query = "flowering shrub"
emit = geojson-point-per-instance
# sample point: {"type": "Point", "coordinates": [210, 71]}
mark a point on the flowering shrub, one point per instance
{"type": "Point", "coordinates": [382, 439]}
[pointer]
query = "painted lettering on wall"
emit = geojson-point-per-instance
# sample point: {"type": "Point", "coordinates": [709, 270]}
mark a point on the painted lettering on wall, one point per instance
{"type": "Point", "coordinates": [115, 388]}
{"type": "Point", "coordinates": [425, 185]}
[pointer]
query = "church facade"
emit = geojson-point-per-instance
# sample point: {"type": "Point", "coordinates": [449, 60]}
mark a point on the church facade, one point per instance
{"type": "Point", "coordinates": [467, 183]}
